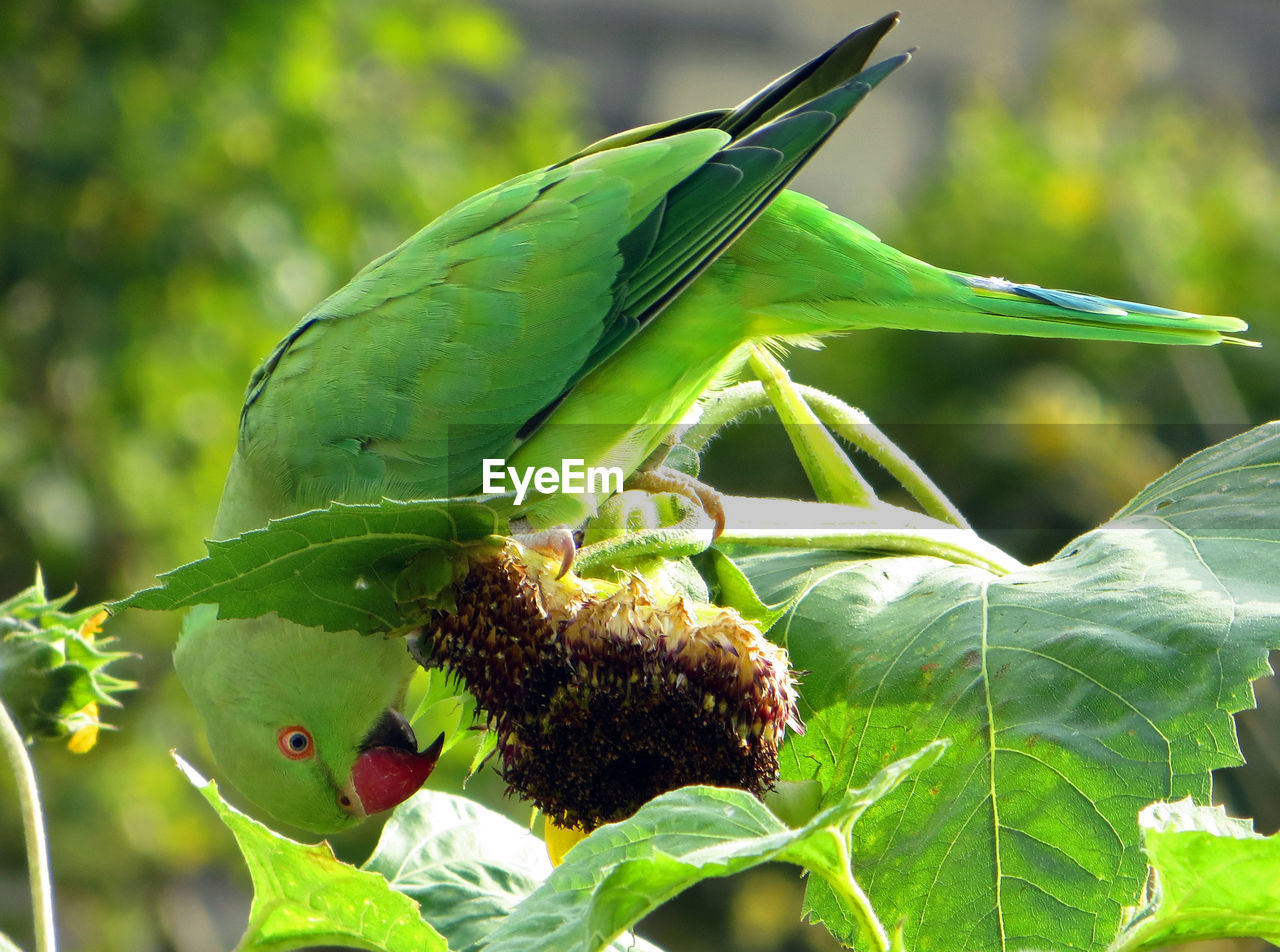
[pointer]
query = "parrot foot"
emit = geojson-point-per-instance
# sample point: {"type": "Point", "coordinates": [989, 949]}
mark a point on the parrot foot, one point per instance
{"type": "Point", "coordinates": [664, 479]}
{"type": "Point", "coordinates": [555, 543]}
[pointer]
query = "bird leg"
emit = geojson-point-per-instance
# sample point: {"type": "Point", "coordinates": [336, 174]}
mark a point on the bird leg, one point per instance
{"type": "Point", "coordinates": [664, 479]}
{"type": "Point", "coordinates": [556, 543]}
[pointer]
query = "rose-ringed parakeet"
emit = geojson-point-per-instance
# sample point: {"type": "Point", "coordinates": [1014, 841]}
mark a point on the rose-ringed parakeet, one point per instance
{"type": "Point", "coordinates": [577, 311]}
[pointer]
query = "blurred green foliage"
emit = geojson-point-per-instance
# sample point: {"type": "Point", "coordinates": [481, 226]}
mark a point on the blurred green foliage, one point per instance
{"type": "Point", "coordinates": [180, 182]}
{"type": "Point", "coordinates": [1099, 174]}
{"type": "Point", "coordinates": [183, 183]}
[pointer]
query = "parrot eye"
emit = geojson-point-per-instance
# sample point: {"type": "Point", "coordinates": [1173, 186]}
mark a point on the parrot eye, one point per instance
{"type": "Point", "coordinates": [295, 742]}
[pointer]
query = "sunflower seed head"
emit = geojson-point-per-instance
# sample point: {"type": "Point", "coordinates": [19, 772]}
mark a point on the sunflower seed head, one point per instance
{"type": "Point", "coordinates": [605, 694]}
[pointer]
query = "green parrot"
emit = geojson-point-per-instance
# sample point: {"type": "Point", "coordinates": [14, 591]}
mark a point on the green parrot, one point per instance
{"type": "Point", "coordinates": [577, 311]}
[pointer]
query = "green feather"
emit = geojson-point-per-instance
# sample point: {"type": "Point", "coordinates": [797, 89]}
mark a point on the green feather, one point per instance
{"type": "Point", "coordinates": [492, 322]}
{"type": "Point", "coordinates": [251, 678]}
{"type": "Point", "coordinates": [577, 311]}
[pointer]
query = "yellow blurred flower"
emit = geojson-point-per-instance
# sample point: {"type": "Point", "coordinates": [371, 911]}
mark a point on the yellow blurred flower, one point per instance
{"type": "Point", "coordinates": [560, 840]}
{"type": "Point", "coordinates": [93, 626]}
{"type": "Point", "coordinates": [84, 737]}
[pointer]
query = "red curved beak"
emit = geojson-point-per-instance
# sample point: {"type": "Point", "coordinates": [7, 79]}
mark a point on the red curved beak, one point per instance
{"type": "Point", "coordinates": [390, 769]}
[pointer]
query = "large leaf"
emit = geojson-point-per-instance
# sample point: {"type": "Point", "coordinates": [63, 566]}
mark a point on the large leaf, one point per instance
{"type": "Point", "coordinates": [1212, 877]}
{"type": "Point", "coordinates": [1076, 692]}
{"type": "Point", "coordinates": [304, 897]}
{"type": "Point", "coordinates": [334, 568]}
{"type": "Point", "coordinates": [466, 866]}
{"type": "Point", "coordinates": [624, 870]}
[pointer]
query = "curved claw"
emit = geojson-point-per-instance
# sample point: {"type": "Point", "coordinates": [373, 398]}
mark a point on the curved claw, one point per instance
{"type": "Point", "coordinates": [555, 543]}
{"type": "Point", "coordinates": [663, 479]}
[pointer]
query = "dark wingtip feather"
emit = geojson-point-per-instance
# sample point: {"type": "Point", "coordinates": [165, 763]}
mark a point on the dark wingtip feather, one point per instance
{"type": "Point", "coordinates": [825, 72]}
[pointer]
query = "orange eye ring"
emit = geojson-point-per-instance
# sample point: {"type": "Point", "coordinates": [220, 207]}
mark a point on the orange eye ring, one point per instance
{"type": "Point", "coordinates": [295, 742]}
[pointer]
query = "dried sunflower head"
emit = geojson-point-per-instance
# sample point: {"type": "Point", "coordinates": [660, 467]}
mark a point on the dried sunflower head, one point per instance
{"type": "Point", "coordinates": [604, 694]}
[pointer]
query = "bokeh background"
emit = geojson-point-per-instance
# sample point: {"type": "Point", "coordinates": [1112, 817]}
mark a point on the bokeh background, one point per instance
{"type": "Point", "coordinates": [179, 182]}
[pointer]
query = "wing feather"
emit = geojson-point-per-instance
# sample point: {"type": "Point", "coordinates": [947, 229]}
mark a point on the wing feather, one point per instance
{"type": "Point", "coordinates": [456, 344]}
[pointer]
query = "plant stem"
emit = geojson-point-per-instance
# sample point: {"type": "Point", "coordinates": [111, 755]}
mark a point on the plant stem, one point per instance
{"type": "Point", "coordinates": [722, 408]}
{"type": "Point", "coordinates": [858, 902]}
{"type": "Point", "coordinates": [831, 473]}
{"type": "Point", "coordinates": [854, 425]}
{"type": "Point", "coordinates": [962, 548]}
{"type": "Point", "coordinates": [689, 536]}
{"type": "Point", "coordinates": [847, 422]}
{"type": "Point", "coordinates": [33, 826]}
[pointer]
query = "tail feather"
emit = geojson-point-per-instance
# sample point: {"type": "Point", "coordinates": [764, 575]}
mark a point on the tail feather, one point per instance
{"type": "Point", "coordinates": [1032, 301]}
{"type": "Point", "coordinates": [814, 273]}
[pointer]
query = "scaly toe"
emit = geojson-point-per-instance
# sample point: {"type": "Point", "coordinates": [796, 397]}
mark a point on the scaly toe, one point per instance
{"type": "Point", "coordinates": [555, 543]}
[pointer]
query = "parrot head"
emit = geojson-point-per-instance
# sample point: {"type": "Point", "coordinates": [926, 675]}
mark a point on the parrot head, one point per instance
{"type": "Point", "coordinates": [305, 723]}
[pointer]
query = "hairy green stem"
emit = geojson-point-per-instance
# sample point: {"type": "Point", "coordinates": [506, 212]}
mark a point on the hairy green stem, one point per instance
{"type": "Point", "coordinates": [689, 536]}
{"type": "Point", "coordinates": [722, 408]}
{"type": "Point", "coordinates": [831, 472]}
{"type": "Point", "coordinates": [33, 826]}
{"type": "Point", "coordinates": [858, 903]}
{"type": "Point", "coordinates": [954, 545]}
{"type": "Point", "coordinates": [847, 422]}
{"type": "Point", "coordinates": [854, 425]}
